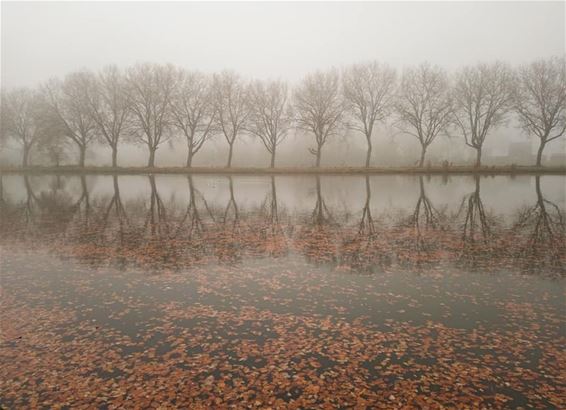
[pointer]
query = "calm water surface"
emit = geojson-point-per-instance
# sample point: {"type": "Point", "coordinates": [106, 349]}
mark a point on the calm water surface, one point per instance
{"type": "Point", "coordinates": [282, 292]}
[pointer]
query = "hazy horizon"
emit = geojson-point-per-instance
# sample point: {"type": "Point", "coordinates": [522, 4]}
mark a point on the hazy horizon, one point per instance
{"type": "Point", "coordinates": [269, 40]}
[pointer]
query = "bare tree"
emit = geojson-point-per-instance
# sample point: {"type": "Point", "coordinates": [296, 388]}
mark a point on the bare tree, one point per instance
{"type": "Point", "coordinates": [192, 110]}
{"type": "Point", "coordinates": [53, 143]}
{"type": "Point", "coordinates": [23, 119]}
{"type": "Point", "coordinates": [482, 97]}
{"type": "Point", "coordinates": [149, 88]}
{"type": "Point", "coordinates": [319, 107]}
{"type": "Point", "coordinates": [69, 104]}
{"type": "Point", "coordinates": [539, 98]}
{"type": "Point", "coordinates": [424, 104]}
{"type": "Point", "coordinates": [232, 108]}
{"type": "Point", "coordinates": [109, 106]}
{"type": "Point", "coordinates": [270, 117]}
{"type": "Point", "coordinates": [369, 90]}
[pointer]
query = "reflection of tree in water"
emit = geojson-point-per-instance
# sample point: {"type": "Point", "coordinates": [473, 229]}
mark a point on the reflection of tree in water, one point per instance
{"type": "Point", "coordinates": [147, 233]}
{"type": "Point", "coordinates": [112, 230]}
{"type": "Point", "coordinates": [272, 239]}
{"type": "Point", "coordinates": [477, 230]}
{"type": "Point", "coordinates": [321, 216]}
{"type": "Point", "coordinates": [19, 218]}
{"type": "Point", "coordinates": [45, 216]}
{"type": "Point", "coordinates": [31, 203]}
{"type": "Point", "coordinates": [156, 220]}
{"type": "Point", "coordinates": [191, 222]}
{"type": "Point", "coordinates": [158, 235]}
{"type": "Point", "coordinates": [191, 227]}
{"type": "Point", "coordinates": [367, 227]}
{"type": "Point", "coordinates": [160, 244]}
{"type": "Point", "coordinates": [476, 226]}
{"type": "Point", "coordinates": [116, 209]}
{"type": "Point", "coordinates": [425, 232]}
{"type": "Point", "coordinates": [227, 244]}
{"type": "Point", "coordinates": [56, 208]}
{"type": "Point", "coordinates": [317, 237]}
{"type": "Point", "coordinates": [364, 251]}
{"type": "Point", "coordinates": [231, 211]}
{"type": "Point", "coordinates": [269, 207]}
{"type": "Point", "coordinates": [153, 234]}
{"type": "Point", "coordinates": [425, 214]}
{"type": "Point", "coordinates": [83, 214]}
{"type": "Point", "coordinates": [544, 230]}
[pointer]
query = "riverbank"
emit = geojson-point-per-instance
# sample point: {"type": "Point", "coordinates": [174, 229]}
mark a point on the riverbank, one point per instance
{"type": "Point", "coordinates": [486, 170]}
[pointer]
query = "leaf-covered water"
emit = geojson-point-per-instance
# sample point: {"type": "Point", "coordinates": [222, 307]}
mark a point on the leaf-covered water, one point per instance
{"type": "Point", "coordinates": [282, 292]}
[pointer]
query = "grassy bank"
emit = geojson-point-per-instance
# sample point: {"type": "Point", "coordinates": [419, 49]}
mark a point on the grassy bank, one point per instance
{"type": "Point", "coordinates": [488, 170]}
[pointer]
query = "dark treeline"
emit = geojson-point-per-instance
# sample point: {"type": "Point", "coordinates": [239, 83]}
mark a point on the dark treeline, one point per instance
{"type": "Point", "coordinates": [152, 104]}
{"type": "Point", "coordinates": [173, 233]}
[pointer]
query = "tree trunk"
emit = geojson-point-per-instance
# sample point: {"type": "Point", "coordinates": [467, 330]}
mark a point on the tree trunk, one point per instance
{"type": "Point", "coordinates": [421, 161]}
{"type": "Point", "coordinates": [478, 157]}
{"type": "Point", "coordinates": [114, 156]}
{"type": "Point", "coordinates": [190, 156]}
{"type": "Point", "coordinates": [539, 153]}
{"type": "Point", "coordinates": [84, 187]}
{"type": "Point", "coordinates": [368, 156]}
{"type": "Point", "coordinates": [540, 198]}
{"type": "Point", "coordinates": [116, 188]}
{"type": "Point", "coordinates": [25, 158]}
{"type": "Point", "coordinates": [151, 160]}
{"type": "Point", "coordinates": [230, 156]}
{"type": "Point", "coordinates": [272, 165]}
{"type": "Point", "coordinates": [82, 155]}
{"type": "Point", "coordinates": [274, 213]}
{"type": "Point", "coordinates": [319, 203]}
{"type": "Point", "coordinates": [318, 155]}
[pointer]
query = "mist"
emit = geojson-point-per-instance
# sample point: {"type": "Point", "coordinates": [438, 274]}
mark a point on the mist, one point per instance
{"type": "Point", "coordinates": [271, 40]}
{"type": "Point", "coordinates": [286, 41]}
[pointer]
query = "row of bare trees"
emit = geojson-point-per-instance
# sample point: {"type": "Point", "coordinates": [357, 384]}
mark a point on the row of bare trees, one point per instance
{"type": "Point", "coordinates": [150, 104]}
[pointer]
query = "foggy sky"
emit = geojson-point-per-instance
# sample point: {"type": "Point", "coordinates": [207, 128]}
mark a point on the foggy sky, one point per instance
{"type": "Point", "coordinates": [270, 40]}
